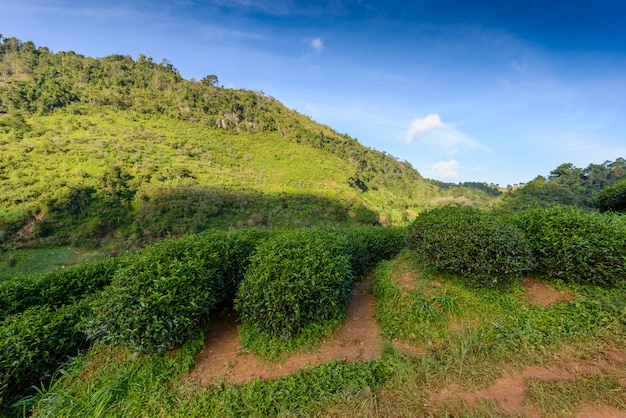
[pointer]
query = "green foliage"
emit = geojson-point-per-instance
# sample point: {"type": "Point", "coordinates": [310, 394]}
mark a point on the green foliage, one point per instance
{"type": "Point", "coordinates": [110, 381]}
{"type": "Point", "coordinates": [490, 189]}
{"type": "Point", "coordinates": [277, 348]}
{"type": "Point", "coordinates": [164, 293]}
{"type": "Point", "coordinates": [414, 316]}
{"type": "Point", "coordinates": [486, 321]}
{"type": "Point", "coordinates": [566, 185]}
{"type": "Point", "coordinates": [492, 328]}
{"type": "Point", "coordinates": [26, 262]}
{"type": "Point", "coordinates": [612, 198]}
{"type": "Point", "coordinates": [60, 287]}
{"type": "Point", "coordinates": [471, 243]}
{"type": "Point", "coordinates": [125, 150]}
{"type": "Point", "coordinates": [34, 343]}
{"type": "Point", "coordinates": [294, 279]}
{"type": "Point", "coordinates": [574, 245]}
{"type": "Point", "coordinates": [372, 244]}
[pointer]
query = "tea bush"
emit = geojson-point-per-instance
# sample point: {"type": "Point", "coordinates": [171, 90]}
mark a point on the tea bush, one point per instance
{"type": "Point", "coordinates": [573, 245]}
{"type": "Point", "coordinates": [383, 243]}
{"type": "Point", "coordinates": [471, 243]}
{"type": "Point", "coordinates": [296, 278]}
{"type": "Point", "coordinates": [57, 288]}
{"type": "Point", "coordinates": [159, 299]}
{"type": "Point", "coordinates": [372, 244]}
{"type": "Point", "coordinates": [35, 343]}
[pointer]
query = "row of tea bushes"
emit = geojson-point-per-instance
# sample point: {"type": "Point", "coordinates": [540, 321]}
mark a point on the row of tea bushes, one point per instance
{"type": "Point", "coordinates": [559, 242]}
{"type": "Point", "coordinates": [296, 278]}
{"type": "Point", "coordinates": [155, 299]}
{"type": "Point", "coordinates": [35, 342]}
{"type": "Point", "coordinates": [473, 243]}
{"type": "Point", "coordinates": [166, 292]}
{"type": "Point", "coordinates": [60, 287]}
{"type": "Point", "coordinates": [575, 245]}
{"type": "Point", "coordinates": [301, 277]}
{"type": "Point", "coordinates": [374, 244]}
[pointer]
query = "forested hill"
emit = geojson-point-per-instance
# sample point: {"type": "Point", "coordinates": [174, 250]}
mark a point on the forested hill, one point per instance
{"type": "Point", "coordinates": [597, 186]}
{"type": "Point", "coordinates": [125, 149]}
{"type": "Point", "coordinates": [34, 81]}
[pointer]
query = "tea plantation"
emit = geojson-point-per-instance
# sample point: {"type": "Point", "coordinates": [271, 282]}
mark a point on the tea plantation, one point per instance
{"type": "Point", "coordinates": [283, 282]}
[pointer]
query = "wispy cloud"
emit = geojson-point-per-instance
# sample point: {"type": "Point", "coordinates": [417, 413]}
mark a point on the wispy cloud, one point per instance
{"type": "Point", "coordinates": [446, 170]}
{"type": "Point", "coordinates": [316, 45]}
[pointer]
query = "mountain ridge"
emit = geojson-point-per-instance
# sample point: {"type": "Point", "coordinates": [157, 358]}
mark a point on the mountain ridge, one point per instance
{"type": "Point", "coordinates": [92, 143]}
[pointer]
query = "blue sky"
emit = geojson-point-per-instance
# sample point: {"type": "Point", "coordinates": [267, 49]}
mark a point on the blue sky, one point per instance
{"type": "Point", "coordinates": [498, 91]}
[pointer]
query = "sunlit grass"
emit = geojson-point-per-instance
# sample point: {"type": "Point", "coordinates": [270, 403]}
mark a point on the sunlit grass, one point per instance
{"type": "Point", "coordinates": [564, 397]}
{"type": "Point", "coordinates": [25, 262]}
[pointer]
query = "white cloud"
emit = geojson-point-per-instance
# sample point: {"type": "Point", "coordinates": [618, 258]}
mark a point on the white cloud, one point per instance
{"type": "Point", "coordinates": [446, 170]}
{"type": "Point", "coordinates": [316, 45]}
{"type": "Point", "coordinates": [419, 126]}
{"type": "Point", "coordinates": [431, 130]}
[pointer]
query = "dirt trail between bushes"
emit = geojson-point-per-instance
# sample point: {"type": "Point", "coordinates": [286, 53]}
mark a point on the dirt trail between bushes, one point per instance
{"type": "Point", "coordinates": [356, 340]}
{"type": "Point", "coordinates": [359, 339]}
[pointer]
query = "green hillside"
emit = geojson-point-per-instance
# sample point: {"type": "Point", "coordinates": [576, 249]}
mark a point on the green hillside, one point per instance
{"type": "Point", "coordinates": [573, 186]}
{"type": "Point", "coordinates": [101, 149]}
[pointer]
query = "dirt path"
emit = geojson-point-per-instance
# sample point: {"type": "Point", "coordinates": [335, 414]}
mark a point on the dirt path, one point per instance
{"type": "Point", "coordinates": [357, 339]}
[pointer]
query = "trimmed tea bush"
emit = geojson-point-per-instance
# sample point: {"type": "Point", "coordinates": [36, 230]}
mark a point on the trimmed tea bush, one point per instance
{"type": "Point", "coordinates": [383, 243]}
{"type": "Point", "coordinates": [294, 279]}
{"type": "Point", "coordinates": [57, 288]}
{"type": "Point", "coordinates": [372, 244]}
{"type": "Point", "coordinates": [35, 343]}
{"type": "Point", "coordinates": [573, 245]}
{"type": "Point", "coordinates": [471, 243]}
{"type": "Point", "coordinates": [159, 299]}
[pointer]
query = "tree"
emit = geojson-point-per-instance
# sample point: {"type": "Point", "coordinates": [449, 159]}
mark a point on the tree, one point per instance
{"type": "Point", "coordinates": [210, 80]}
{"type": "Point", "coordinates": [115, 184]}
{"type": "Point", "coordinates": [612, 198]}
{"type": "Point", "coordinates": [566, 173]}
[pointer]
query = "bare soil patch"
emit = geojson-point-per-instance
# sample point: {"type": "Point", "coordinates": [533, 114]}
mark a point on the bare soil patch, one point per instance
{"type": "Point", "coordinates": [510, 390]}
{"type": "Point", "coordinates": [543, 294]}
{"type": "Point", "coordinates": [356, 340]}
{"type": "Point", "coordinates": [27, 230]}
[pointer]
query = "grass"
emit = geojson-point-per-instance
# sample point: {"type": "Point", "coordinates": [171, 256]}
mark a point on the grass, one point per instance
{"type": "Point", "coordinates": [278, 349]}
{"type": "Point", "coordinates": [26, 262]}
{"type": "Point", "coordinates": [565, 397]}
{"type": "Point", "coordinates": [495, 332]}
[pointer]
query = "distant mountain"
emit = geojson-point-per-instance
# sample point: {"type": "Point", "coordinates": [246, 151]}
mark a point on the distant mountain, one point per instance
{"type": "Point", "coordinates": [101, 149]}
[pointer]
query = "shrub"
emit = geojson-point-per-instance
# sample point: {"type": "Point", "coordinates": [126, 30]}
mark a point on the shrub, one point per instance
{"type": "Point", "coordinates": [35, 343]}
{"type": "Point", "coordinates": [573, 245]}
{"type": "Point", "coordinates": [156, 302]}
{"type": "Point", "coordinates": [383, 243]}
{"type": "Point", "coordinates": [372, 244]}
{"type": "Point", "coordinates": [294, 279]}
{"type": "Point", "coordinates": [612, 198]}
{"type": "Point", "coordinates": [57, 288]}
{"type": "Point", "coordinates": [471, 243]}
